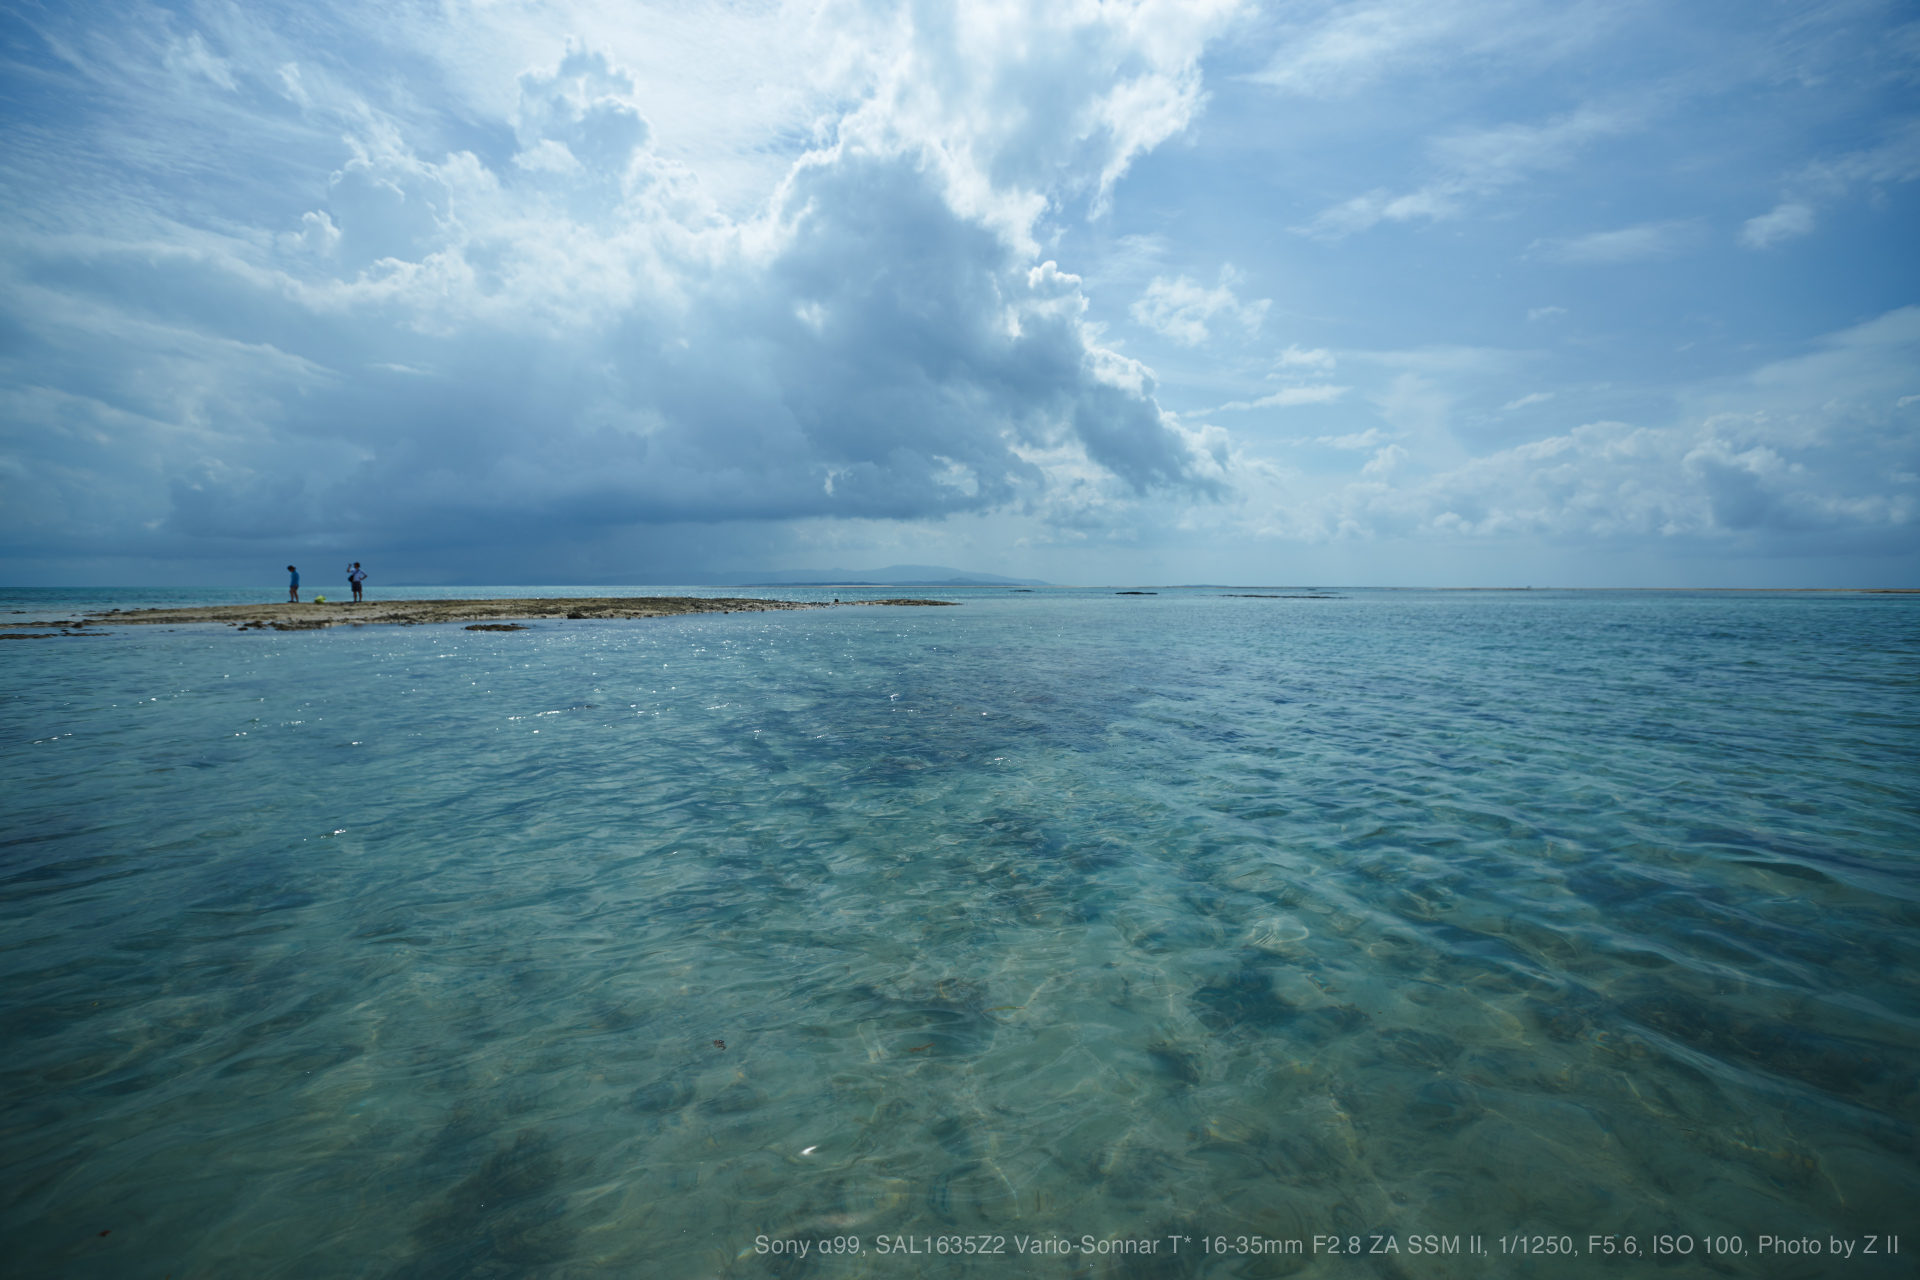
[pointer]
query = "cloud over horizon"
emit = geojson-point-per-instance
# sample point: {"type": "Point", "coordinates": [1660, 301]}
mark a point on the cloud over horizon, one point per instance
{"type": "Point", "coordinates": [519, 287]}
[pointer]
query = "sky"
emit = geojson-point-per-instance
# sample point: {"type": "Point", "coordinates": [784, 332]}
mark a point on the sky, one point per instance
{"type": "Point", "coordinates": [1382, 292]}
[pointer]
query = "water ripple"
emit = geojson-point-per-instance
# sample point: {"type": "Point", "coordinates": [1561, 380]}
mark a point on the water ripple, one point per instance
{"type": "Point", "coordinates": [402, 953]}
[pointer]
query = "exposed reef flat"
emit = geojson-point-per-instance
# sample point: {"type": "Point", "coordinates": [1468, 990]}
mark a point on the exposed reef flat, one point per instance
{"type": "Point", "coordinates": [407, 613]}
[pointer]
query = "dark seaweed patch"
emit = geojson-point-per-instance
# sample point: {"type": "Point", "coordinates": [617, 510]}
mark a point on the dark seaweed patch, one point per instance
{"type": "Point", "coordinates": [1178, 1064]}
{"type": "Point", "coordinates": [1244, 1000]}
{"type": "Point", "coordinates": [1792, 870]}
{"type": "Point", "coordinates": [970, 1193]}
{"type": "Point", "coordinates": [1844, 1067]}
{"type": "Point", "coordinates": [660, 1096]}
{"type": "Point", "coordinates": [1418, 1048]}
{"type": "Point", "coordinates": [1445, 1106]}
{"type": "Point", "coordinates": [1328, 1022]}
{"type": "Point", "coordinates": [505, 1216]}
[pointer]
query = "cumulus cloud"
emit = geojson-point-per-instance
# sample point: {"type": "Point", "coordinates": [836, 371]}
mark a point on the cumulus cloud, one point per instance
{"type": "Point", "coordinates": [510, 279]}
{"type": "Point", "coordinates": [556, 328]}
{"type": "Point", "coordinates": [1769, 460]}
{"type": "Point", "coordinates": [886, 358]}
{"type": "Point", "coordinates": [1019, 106]}
{"type": "Point", "coordinates": [1179, 308]}
{"type": "Point", "coordinates": [584, 111]}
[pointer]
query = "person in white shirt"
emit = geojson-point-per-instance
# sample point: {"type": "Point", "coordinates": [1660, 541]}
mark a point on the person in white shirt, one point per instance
{"type": "Point", "coordinates": [355, 576]}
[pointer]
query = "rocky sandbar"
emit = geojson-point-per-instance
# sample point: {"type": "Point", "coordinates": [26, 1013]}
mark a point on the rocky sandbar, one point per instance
{"type": "Point", "coordinates": [407, 613]}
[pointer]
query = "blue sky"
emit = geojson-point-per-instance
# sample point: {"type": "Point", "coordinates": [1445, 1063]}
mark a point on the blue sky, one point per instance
{"type": "Point", "coordinates": [1378, 292]}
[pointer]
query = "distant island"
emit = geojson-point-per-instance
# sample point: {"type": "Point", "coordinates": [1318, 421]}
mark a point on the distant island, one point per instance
{"type": "Point", "coordinates": [894, 575]}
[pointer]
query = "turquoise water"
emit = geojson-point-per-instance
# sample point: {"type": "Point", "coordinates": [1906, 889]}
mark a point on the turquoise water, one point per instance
{"type": "Point", "coordinates": [1060, 915]}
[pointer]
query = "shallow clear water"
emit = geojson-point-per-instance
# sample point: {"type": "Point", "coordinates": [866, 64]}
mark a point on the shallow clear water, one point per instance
{"type": "Point", "coordinates": [406, 951]}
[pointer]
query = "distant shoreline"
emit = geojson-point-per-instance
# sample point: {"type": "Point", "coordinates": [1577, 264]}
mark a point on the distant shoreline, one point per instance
{"type": "Point", "coordinates": [287, 616]}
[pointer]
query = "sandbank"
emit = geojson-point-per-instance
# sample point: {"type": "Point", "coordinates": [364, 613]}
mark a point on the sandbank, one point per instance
{"type": "Point", "coordinates": [407, 613]}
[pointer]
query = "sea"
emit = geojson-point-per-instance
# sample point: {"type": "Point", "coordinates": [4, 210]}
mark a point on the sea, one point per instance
{"type": "Point", "coordinates": [1215, 931]}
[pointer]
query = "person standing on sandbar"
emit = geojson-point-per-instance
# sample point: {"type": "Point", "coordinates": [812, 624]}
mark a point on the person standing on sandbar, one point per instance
{"type": "Point", "coordinates": [356, 576]}
{"type": "Point", "coordinates": [293, 588]}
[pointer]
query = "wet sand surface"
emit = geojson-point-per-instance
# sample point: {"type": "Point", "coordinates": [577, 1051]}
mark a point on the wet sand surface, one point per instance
{"type": "Point", "coordinates": [313, 616]}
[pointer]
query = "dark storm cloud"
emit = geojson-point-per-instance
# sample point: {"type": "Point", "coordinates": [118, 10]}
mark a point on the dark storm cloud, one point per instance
{"type": "Point", "coordinates": [447, 350]}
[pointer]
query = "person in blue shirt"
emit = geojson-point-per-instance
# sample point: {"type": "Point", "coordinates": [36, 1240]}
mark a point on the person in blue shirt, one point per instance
{"type": "Point", "coordinates": [355, 576]}
{"type": "Point", "coordinates": [293, 588]}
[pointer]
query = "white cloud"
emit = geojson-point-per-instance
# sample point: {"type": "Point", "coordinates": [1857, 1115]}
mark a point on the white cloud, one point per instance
{"type": "Point", "coordinates": [548, 155]}
{"type": "Point", "coordinates": [1179, 308]}
{"type": "Point", "coordinates": [1371, 438]}
{"type": "Point", "coordinates": [1895, 159]}
{"type": "Point", "coordinates": [317, 233]}
{"type": "Point", "coordinates": [1537, 397]}
{"type": "Point", "coordinates": [1765, 461]}
{"type": "Point", "coordinates": [609, 348]}
{"type": "Point", "coordinates": [192, 57]}
{"type": "Point", "coordinates": [1288, 397]}
{"type": "Point", "coordinates": [1476, 164]}
{"type": "Point", "coordinates": [1628, 244]}
{"type": "Point", "coordinates": [1340, 49]}
{"type": "Point", "coordinates": [581, 115]}
{"type": "Point", "coordinates": [1441, 200]}
{"type": "Point", "coordinates": [292, 85]}
{"type": "Point", "coordinates": [1346, 47]}
{"type": "Point", "coordinates": [1018, 107]}
{"type": "Point", "coordinates": [1318, 358]}
{"type": "Point", "coordinates": [1784, 222]}
{"type": "Point", "coordinates": [1384, 461]}
{"type": "Point", "coordinates": [606, 275]}
{"type": "Point", "coordinates": [1485, 159]}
